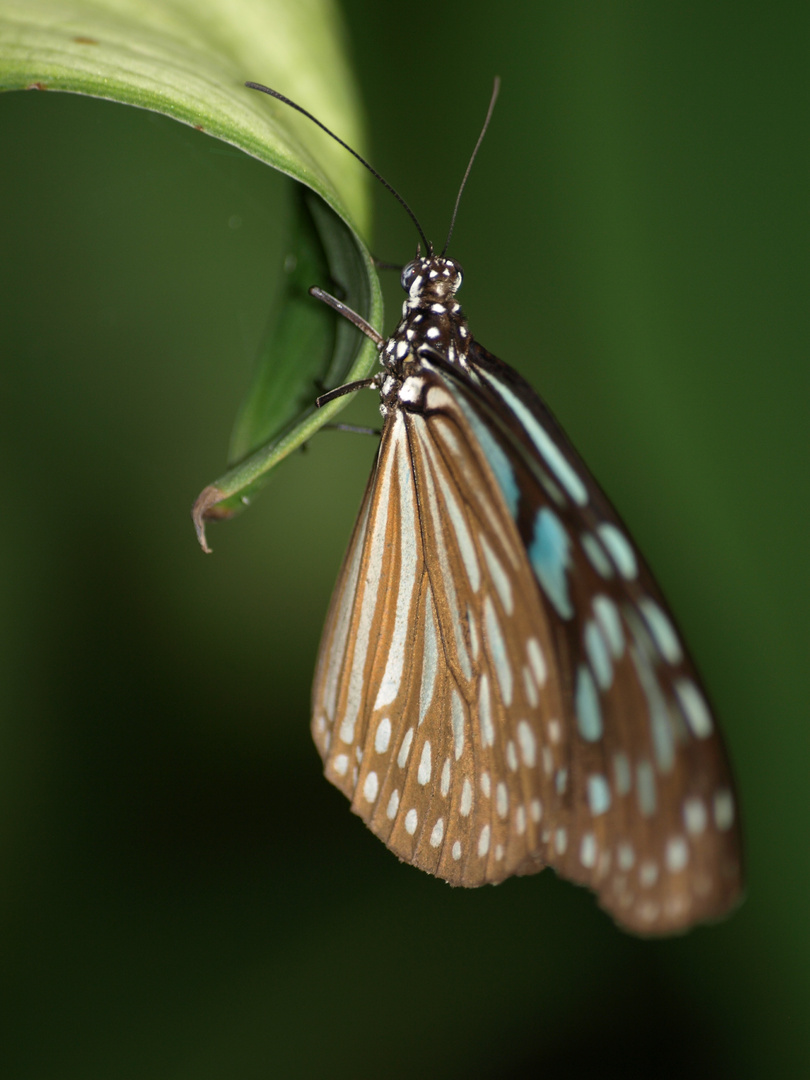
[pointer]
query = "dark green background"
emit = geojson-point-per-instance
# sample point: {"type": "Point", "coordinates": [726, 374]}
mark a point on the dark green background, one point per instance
{"type": "Point", "coordinates": [183, 894]}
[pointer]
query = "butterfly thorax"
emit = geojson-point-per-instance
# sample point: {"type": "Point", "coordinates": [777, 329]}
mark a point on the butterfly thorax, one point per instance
{"type": "Point", "coordinates": [432, 324]}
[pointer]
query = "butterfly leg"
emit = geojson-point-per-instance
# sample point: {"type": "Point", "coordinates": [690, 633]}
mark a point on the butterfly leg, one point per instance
{"type": "Point", "coordinates": [347, 313]}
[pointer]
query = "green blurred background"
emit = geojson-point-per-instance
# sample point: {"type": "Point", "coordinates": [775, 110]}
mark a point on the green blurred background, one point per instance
{"type": "Point", "coordinates": [183, 894]}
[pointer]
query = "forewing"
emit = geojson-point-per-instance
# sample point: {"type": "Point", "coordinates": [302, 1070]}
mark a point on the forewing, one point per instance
{"type": "Point", "coordinates": [434, 660]}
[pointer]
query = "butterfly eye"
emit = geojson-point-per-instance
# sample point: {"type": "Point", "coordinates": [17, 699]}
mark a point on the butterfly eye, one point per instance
{"type": "Point", "coordinates": [409, 273]}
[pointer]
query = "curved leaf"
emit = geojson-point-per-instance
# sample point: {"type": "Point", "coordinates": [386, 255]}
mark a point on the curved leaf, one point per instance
{"type": "Point", "coordinates": [189, 59]}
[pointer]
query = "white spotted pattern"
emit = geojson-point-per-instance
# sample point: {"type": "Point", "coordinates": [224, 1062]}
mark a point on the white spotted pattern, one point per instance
{"type": "Point", "coordinates": [500, 685]}
{"type": "Point", "coordinates": [371, 786]}
{"type": "Point", "coordinates": [466, 798]}
{"type": "Point", "coordinates": [445, 781]}
{"type": "Point", "coordinates": [423, 775]}
{"type": "Point", "coordinates": [483, 841]}
{"type": "Point", "coordinates": [405, 749]}
{"type": "Point", "coordinates": [382, 739]}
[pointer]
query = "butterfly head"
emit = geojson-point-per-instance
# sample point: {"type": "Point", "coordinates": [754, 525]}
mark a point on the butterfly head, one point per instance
{"type": "Point", "coordinates": [432, 279]}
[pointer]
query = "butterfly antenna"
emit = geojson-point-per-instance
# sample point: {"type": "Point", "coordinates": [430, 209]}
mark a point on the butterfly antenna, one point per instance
{"type": "Point", "coordinates": [495, 88]}
{"type": "Point", "coordinates": [362, 160]}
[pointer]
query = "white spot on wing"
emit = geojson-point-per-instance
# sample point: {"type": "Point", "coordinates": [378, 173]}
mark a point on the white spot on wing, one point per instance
{"type": "Point", "coordinates": [620, 549]}
{"type": "Point", "coordinates": [511, 756]}
{"type": "Point", "coordinates": [382, 737]}
{"type": "Point", "coordinates": [483, 841]}
{"type": "Point", "coordinates": [405, 749]}
{"type": "Point", "coordinates": [445, 781]}
{"type": "Point", "coordinates": [662, 630]}
{"type": "Point", "coordinates": [598, 656]}
{"type": "Point", "coordinates": [460, 528]}
{"type": "Point", "coordinates": [723, 809]}
{"type": "Point", "coordinates": [625, 856]}
{"type": "Point", "coordinates": [530, 688]}
{"type": "Point", "coordinates": [497, 645]}
{"type": "Point", "coordinates": [694, 707]}
{"type": "Point", "coordinates": [645, 788]}
{"type": "Point", "coordinates": [536, 660]}
{"type": "Point", "coordinates": [430, 659]}
{"type": "Point", "coordinates": [500, 578]}
{"type": "Point", "coordinates": [406, 582]}
{"type": "Point", "coordinates": [598, 794]}
{"type": "Point", "coordinates": [694, 815]}
{"type": "Point", "coordinates": [677, 854]}
{"type": "Point", "coordinates": [596, 555]}
{"type": "Point", "coordinates": [589, 714]}
{"type": "Point", "coordinates": [485, 712]}
{"type": "Point", "coordinates": [607, 615]}
{"type": "Point", "coordinates": [621, 772]}
{"type": "Point", "coordinates": [528, 743]}
{"type": "Point", "coordinates": [457, 720]}
{"type": "Point", "coordinates": [423, 773]}
{"type": "Point", "coordinates": [371, 786]}
{"type": "Point", "coordinates": [370, 590]}
{"type": "Point", "coordinates": [587, 851]}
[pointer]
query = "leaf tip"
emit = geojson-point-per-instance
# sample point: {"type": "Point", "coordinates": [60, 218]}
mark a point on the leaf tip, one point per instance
{"type": "Point", "coordinates": [206, 508]}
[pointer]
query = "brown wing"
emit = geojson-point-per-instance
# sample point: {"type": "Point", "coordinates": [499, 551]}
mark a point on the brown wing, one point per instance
{"type": "Point", "coordinates": [479, 727]}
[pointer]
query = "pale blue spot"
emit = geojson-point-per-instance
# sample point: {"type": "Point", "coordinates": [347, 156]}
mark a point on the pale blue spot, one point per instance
{"type": "Point", "coordinates": [495, 455]}
{"type": "Point", "coordinates": [662, 630]}
{"type": "Point", "coordinates": [695, 708]}
{"type": "Point", "coordinates": [596, 555]}
{"type": "Point", "coordinates": [620, 548]}
{"type": "Point", "coordinates": [645, 786]}
{"type": "Point", "coordinates": [598, 655]}
{"type": "Point", "coordinates": [610, 622]}
{"type": "Point", "coordinates": [598, 794]}
{"type": "Point", "coordinates": [661, 729]}
{"type": "Point", "coordinates": [549, 555]}
{"type": "Point", "coordinates": [663, 738]}
{"type": "Point", "coordinates": [621, 769]}
{"type": "Point", "coordinates": [589, 715]}
{"type": "Point", "coordinates": [498, 651]}
{"type": "Point", "coordinates": [723, 809]}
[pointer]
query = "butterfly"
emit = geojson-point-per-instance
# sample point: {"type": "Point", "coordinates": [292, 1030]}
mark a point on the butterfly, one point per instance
{"type": "Point", "coordinates": [501, 686]}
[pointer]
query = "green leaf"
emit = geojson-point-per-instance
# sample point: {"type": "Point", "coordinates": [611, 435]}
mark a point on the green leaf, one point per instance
{"type": "Point", "coordinates": [189, 59]}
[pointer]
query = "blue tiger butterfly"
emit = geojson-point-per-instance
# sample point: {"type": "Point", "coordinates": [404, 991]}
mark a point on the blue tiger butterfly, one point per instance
{"type": "Point", "coordinates": [500, 685]}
